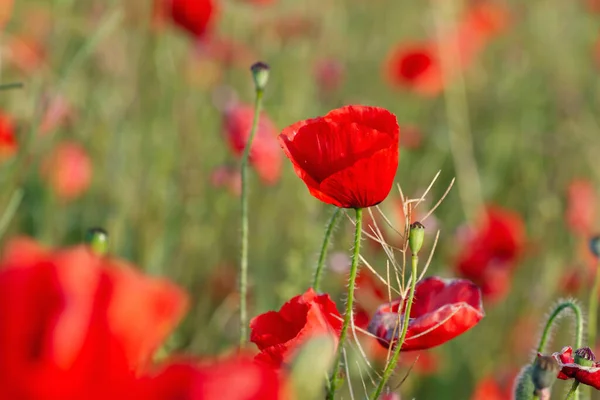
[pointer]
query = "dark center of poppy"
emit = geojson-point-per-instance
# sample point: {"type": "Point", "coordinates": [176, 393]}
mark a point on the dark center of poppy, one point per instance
{"type": "Point", "coordinates": [585, 356]}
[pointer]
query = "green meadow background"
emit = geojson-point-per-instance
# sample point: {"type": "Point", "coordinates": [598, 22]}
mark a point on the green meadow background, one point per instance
{"type": "Point", "coordinates": [520, 124]}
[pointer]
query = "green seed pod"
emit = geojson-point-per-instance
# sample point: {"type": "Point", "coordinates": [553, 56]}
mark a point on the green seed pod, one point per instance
{"type": "Point", "coordinates": [97, 239]}
{"type": "Point", "coordinates": [585, 357]}
{"type": "Point", "coordinates": [415, 237]}
{"type": "Point", "coordinates": [260, 74]}
{"type": "Point", "coordinates": [524, 387]}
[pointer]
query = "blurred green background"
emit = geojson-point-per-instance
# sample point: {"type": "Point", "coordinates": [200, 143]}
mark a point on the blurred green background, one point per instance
{"type": "Point", "coordinates": [518, 127]}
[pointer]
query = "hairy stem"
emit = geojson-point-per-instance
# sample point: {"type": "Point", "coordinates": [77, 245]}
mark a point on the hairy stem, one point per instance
{"type": "Point", "coordinates": [573, 392]}
{"type": "Point", "coordinates": [560, 307]}
{"type": "Point", "coordinates": [326, 240]}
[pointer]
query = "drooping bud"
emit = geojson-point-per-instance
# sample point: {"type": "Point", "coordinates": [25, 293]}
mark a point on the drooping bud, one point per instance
{"type": "Point", "coordinates": [524, 388]}
{"type": "Point", "coordinates": [97, 239]}
{"type": "Point", "coordinates": [544, 373]}
{"type": "Point", "coordinates": [595, 245]}
{"type": "Point", "coordinates": [415, 237]}
{"type": "Point", "coordinates": [585, 357]}
{"type": "Point", "coordinates": [260, 74]}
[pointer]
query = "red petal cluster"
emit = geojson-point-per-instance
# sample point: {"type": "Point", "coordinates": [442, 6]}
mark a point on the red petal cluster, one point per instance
{"type": "Point", "coordinates": [571, 370]}
{"type": "Point", "coordinates": [490, 251]}
{"type": "Point", "coordinates": [442, 310]}
{"type": "Point", "coordinates": [8, 141]}
{"type": "Point", "coordinates": [279, 333]}
{"type": "Point", "coordinates": [193, 16]}
{"type": "Point", "coordinates": [347, 158]}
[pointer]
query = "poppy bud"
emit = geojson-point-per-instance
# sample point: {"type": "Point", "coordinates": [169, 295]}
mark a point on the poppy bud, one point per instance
{"type": "Point", "coordinates": [97, 239]}
{"type": "Point", "coordinates": [545, 371]}
{"type": "Point", "coordinates": [524, 388]}
{"type": "Point", "coordinates": [415, 237]}
{"type": "Point", "coordinates": [312, 362]}
{"type": "Point", "coordinates": [595, 245]}
{"type": "Point", "coordinates": [585, 356]}
{"type": "Point", "coordinates": [260, 74]}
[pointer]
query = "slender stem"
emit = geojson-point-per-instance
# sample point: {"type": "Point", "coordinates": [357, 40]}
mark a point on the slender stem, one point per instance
{"type": "Point", "coordinates": [560, 307]}
{"type": "Point", "coordinates": [334, 381]}
{"type": "Point", "coordinates": [391, 365]}
{"type": "Point", "coordinates": [593, 309]}
{"type": "Point", "coordinates": [573, 392]}
{"type": "Point", "coordinates": [244, 258]}
{"type": "Point", "coordinates": [8, 86]}
{"type": "Point", "coordinates": [326, 240]}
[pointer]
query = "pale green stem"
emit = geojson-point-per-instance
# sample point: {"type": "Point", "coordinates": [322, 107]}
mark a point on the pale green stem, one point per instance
{"type": "Point", "coordinates": [334, 380]}
{"type": "Point", "coordinates": [391, 365]}
{"type": "Point", "coordinates": [244, 196]}
{"type": "Point", "coordinates": [326, 240]}
{"type": "Point", "coordinates": [573, 392]}
{"type": "Point", "coordinates": [552, 318]}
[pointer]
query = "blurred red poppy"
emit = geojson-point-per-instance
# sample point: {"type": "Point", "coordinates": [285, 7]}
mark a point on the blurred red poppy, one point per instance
{"type": "Point", "coordinates": [279, 333]}
{"type": "Point", "coordinates": [26, 53]}
{"type": "Point", "coordinates": [347, 158]}
{"type": "Point", "coordinates": [74, 325]}
{"type": "Point", "coordinates": [265, 155]}
{"type": "Point", "coordinates": [369, 293]}
{"type": "Point", "coordinates": [57, 112]}
{"type": "Point", "coordinates": [193, 16]}
{"type": "Point", "coordinates": [6, 9]}
{"type": "Point", "coordinates": [234, 378]}
{"type": "Point", "coordinates": [581, 206]}
{"type": "Point", "coordinates": [498, 386]}
{"type": "Point", "coordinates": [416, 66]}
{"type": "Point", "coordinates": [8, 140]}
{"type": "Point", "coordinates": [68, 170]}
{"type": "Point", "coordinates": [490, 250]}
{"type": "Point", "coordinates": [569, 369]}
{"type": "Point", "coordinates": [442, 310]}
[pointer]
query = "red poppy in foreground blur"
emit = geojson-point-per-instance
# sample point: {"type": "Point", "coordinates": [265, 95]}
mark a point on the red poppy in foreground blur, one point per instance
{"type": "Point", "coordinates": [68, 170]}
{"type": "Point", "coordinates": [279, 333]}
{"type": "Point", "coordinates": [442, 310]}
{"type": "Point", "coordinates": [347, 158]}
{"type": "Point", "coordinates": [490, 250]}
{"type": "Point", "coordinates": [74, 325]}
{"type": "Point", "coordinates": [193, 16]}
{"type": "Point", "coordinates": [581, 206]}
{"type": "Point", "coordinates": [265, 155]}
{"type": "Point", "coordinates": [495, 387]}
{"type": "Point", "coordinates": [569, 369]}
{"type": "Point", "coordinates": [8, 141]}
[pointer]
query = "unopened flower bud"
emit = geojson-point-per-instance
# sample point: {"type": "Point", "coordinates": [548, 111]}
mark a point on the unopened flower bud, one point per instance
{"type": "Point", "coordinates": [585, 357]}
{"type": "Point", "coordinates": [415, 237]}
{"type": "Point", "coordinates": [544, 373]}
{"type": "Point", "coordinates": [260, 74]}
{"type": "Point", "coordinates": [524, 387]}
{"type": "Point", "coordinates": [97, 239]}
{"type": "Point", "coordinates": [595, 245]}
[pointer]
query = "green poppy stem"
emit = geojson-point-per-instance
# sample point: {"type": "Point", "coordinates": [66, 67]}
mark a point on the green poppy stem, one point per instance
{"type": "Point", "coordinates": [391, 365]}
{"type": "Point", "coordinates": [325, 247]}
{"type": "Point", "coordinates": [244, 196]}
{"type": "Point", "coordinates": [558, 309]}
{"type": "Point", "coordinates": [573, 392]}
{"type": "Point", "coordinates": [335, 381]}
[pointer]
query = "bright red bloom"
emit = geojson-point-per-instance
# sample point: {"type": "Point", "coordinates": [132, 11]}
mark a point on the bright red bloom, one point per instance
{"type": "Point", "coordinates": [581, 206]}
{"type": "Point", "coordinates": [442, 310]}
{"type": "Point", "coordinates": [490, 251]}
{"type": "Point", "coordinates": [68, 170]}
{"type": "Point", "coordinates": [193, 16]}
{"type": "Point", "coordinates": [235, 378]}
{"type": "Point", "coordinates": [8, 141]}
{"type": "Point", "coordinates": [416, 66]}
{"type": "Point", "coordinates": [347, 158]}
{"type": "Point", "coordinates": [74, 325]}
{"type": "Point", "coordinates": [569, 369]}
{"type": "Point", "coordinates": [279, 333]}
{"type": "Point", "coordinates": [265, 155]}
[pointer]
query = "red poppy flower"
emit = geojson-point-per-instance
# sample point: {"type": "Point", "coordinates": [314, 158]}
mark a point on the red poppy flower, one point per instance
{"type": "Point", "coordinates": [278, 333]}
{"type": "Point", "coordinates": [416, 66]}
{"type": "Point", "coordinates": [347, 158]}
{"type": "Point", "coordinates": [581, 206]}
{"type": "Point", "coordinates": [193, 16]}
{"type": "Point", "coordinates": [234, 378]}
{"type": "Point", "coordinates": [569, 369]}
{"type": "Point", "coordinates": [6, 9]}
{"type": "Point", "coordinates": [490, 251]}
{"type": "Point", "coordinates": [68, 170]}
{"type": "Point", "coordinates": [495, 387]}
{"type": "Point", "coordinates": [265, 155]}
{"type": "Point", "coordinates": [8, 141]}
{"type": "Point", "coordinates": [442, 310]}
{"type": "Point", "coordinates": [74, 325]}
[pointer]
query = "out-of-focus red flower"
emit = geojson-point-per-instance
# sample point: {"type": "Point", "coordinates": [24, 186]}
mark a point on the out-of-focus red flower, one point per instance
{"type": "Point", "coordinates": [235, 378]}
{"type": "Point", "coordinates": [8, 141]}
{"type": "Point", "coordinates": [265, 155]}
{"type": "Point", "coordinates": [422, 362]}
{"type": "Point", "coordinates": [571, 282]}
{"type": "Point", "coordinates": [329, 75]}
{"type": "Point", "coordinates": [68, 170]}
{"type": "Point", "coordinates": [490, 250]}
{"type": "Point", "coordinates": [6, 9]}
{"type": "Point", "coordinates": [26, 53]}
{"type": "Point", "coordinates": [418, 66]}
{"type": "Point", "coordinates": [369, 293]}
{"type": "Point", "coordinates": [228, 177]}
{"type": "Point", "coordinates": [347, 158]}
{"type": "Point", "coordinates": [74, 325]}
{"type": "Point", "coordinates": [495, 387]}
{"type": "Point", "coordinates": [581, 206]}
{"type": "Point", "coordinates": [569, 369]}
{"type": "Point", "coordinates": [593, 5]}
{"type": "Point", "coordinates": [442, 310]}
{"type": "Point", "coordinates": [193, 16]}
{"type": "Point", "coordinates": [279, 333]}
{"type": "Point", "coordinates": [57, 112]}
